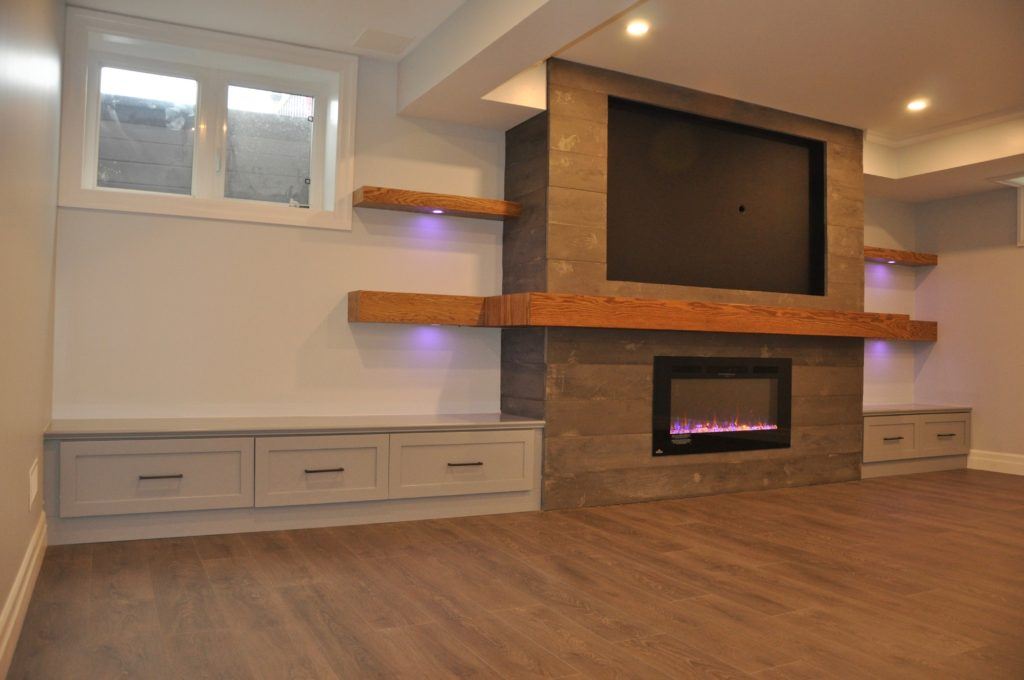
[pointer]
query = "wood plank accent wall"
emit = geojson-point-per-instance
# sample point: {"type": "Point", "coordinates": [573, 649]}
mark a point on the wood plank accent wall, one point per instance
{"type": "Point", "coordinates": [597, 403]}
{"type": "Point", "coordinates": [577, 188]}
{"type": "Point", "coordinates": [524, 239]}
{"type": "Point", "coordinates": [593, 387]}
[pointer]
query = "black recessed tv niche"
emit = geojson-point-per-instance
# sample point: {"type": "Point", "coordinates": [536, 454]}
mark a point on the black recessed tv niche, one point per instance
{"type": "Point", "coordinates": [695, 201]}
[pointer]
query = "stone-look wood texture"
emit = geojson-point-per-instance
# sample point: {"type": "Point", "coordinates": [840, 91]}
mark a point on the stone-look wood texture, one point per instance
{"type": "Point", "coordinates": [593, 387]}
{"type": "Point", "coordinates": [598, 411]}
{"type": "Point", "coordinates": [577, 167]}
{"type": "Point", "coordinates": [524, 239]}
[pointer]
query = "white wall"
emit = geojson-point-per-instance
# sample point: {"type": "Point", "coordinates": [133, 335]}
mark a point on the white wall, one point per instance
{"type": "Point", "coordinates": [888, 365]}
{"type": "Point", "coordinates": [977, 296]}
{"type": "Point", "coordinates": [164, 316]}
{"type": "Point", "coordinates": [30, 35]}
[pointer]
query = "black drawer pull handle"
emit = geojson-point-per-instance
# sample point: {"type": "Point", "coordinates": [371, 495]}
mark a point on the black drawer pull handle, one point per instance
{"type": "Point", "coordinates": [177, 476]}
{"type": "Point", "coordinates": [946, 435]}
{"type": "Point", "coordinates": [318, 471]}
{"type": "Point", "coordinates": [892, 439]}
{"type": "Point", "coordinates": [474, 464]}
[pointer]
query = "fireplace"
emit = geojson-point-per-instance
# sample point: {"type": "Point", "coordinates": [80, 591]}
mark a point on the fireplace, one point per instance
{"type": "Point", "coordinates": [713, 404]}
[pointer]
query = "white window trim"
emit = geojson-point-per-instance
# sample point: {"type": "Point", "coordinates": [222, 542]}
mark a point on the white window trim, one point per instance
{"type": "Point", "coordinates": [332, 82]}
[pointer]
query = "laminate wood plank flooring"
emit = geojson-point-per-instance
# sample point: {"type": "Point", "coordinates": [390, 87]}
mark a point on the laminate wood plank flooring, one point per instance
{"type": "Point", "coordinates": [904, 577]}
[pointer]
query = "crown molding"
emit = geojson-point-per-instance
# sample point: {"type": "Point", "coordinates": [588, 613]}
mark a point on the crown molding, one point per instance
{"type": "Point", "coordinates": [944, 130]}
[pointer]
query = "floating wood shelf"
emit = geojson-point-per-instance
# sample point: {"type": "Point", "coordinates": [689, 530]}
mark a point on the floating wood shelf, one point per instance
{"type": "Point", "coordinates": [903, 257]}
{"type": "Point", "coordinates": [425, 202]}
{"type": "Point", "coordinates": [589, 311]}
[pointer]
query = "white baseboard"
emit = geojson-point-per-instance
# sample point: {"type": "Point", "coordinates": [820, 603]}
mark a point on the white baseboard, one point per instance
{"type": "Point", "coordinates": [12, 616]}
{"type": "Point", "coordinates": [995, 461]}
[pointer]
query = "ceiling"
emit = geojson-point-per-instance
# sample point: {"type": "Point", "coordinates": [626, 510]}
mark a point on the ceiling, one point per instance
{"type": "Point", "coordinates": [327, 24]}
{"type": "Point", "coordinates": [959, 181]}
{"type": "Point", "coordinates": [855, 62]}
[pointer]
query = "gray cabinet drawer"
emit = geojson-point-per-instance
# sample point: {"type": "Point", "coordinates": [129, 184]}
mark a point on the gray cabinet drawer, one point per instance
{"type": "Point", "coordinates": [945, 434]}
{"type": "Point", "coordinates": [916, 435]}
{"type": "Point", "coordinates": [890, 438]}
{"type": "Point", "coordinates": [452, 463]}
{"type": "Point", "coordinates": [155, 475]}
{"type": "Point", "coordinates": [321, 469]}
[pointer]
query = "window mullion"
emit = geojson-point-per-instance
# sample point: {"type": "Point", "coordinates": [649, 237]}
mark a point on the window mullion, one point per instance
{"type": "Point", "coordinates": [210, 150]}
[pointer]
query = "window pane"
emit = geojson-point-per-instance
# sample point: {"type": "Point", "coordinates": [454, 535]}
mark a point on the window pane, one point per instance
{"type": "Point", "coordinates": [270, 136]}
{"type": "Point", "coordinates": [147, 126]}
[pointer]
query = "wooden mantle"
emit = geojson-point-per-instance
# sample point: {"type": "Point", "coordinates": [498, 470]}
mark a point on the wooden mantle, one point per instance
{"type": "Point", "coordinates": [589, 311]}
{"type": "Point", "coordinates": [906, 258]}
{"type": "Point", "coordinates": [426, 202]}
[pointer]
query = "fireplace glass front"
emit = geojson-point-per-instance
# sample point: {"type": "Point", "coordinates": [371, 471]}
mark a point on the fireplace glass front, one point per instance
{"type": "Point", "coordinates": [713, 404]}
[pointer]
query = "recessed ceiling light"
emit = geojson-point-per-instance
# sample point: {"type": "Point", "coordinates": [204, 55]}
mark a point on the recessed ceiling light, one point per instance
{"type": "Point", "coordinates": [638, 27]}
{"type": "Point", "coordinates": [892, 261]}
{"type": "Point", "coordinates": [917, 105]}
{"type": "Point", "coordinates": [437, 211]}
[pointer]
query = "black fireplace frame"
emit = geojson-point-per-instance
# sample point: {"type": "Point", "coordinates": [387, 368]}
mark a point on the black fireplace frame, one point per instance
{"type": "Point", "coordinates": [667, 368]}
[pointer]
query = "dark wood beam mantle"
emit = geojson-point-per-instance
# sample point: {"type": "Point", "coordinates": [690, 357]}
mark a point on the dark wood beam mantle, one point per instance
{"type": "Point", "coordinates": [591, 311]}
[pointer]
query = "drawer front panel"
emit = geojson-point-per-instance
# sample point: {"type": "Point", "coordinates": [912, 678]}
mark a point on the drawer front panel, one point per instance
{"type": "Point", "coordinates": [945, 434]}
{"type": "Point", "coordinates": [452, 463]}
{"type": "Point", "coordinates": [890, 438]}
{"type": "Point", "coordinates": [155, 475]}
{"type": "Point", "coordinates": [321, 469]}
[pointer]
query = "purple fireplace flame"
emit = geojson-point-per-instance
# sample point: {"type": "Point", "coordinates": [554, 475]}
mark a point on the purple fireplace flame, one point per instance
{"type": "Point", "coordinates": [687, 426]}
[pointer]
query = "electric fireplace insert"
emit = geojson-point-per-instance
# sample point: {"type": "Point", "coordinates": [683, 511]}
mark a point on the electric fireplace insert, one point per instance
{"type": "Point", "coordinates": [713, 404]}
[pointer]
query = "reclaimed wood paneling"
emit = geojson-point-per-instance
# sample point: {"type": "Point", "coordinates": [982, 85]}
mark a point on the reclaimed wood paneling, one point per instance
{"type": "Point", "coordinates": [637, 484]}
{"type": "Point", "coordinates": [578, 113]}
{"type": "Point", "coordinates": [524, 237]}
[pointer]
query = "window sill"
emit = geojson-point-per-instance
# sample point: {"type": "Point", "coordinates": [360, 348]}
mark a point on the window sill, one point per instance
{"type": "Point", "coordinates": [339, 219]}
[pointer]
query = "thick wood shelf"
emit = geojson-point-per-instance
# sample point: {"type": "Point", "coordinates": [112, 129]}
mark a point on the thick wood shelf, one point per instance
{"type": "Point", "coordinates": [589, 311]}
{"type": "Point", "coordinates": [425, 202]}
{"type": "Point", "coordinates": [904, 257]}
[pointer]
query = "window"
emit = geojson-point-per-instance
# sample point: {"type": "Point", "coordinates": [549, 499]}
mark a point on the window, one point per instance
{"type": "Point", "coordinates": [270, 139]}
{"type": "Point", "coordinates": [147, 127]}
{"type": "Point", "coordinates": [157, 121]}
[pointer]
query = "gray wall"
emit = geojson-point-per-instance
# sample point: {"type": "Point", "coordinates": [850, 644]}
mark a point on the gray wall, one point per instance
{"type": "Point", "coordinates": [30, 50]}
{"type": "Point", "coordinates": [976, 293]}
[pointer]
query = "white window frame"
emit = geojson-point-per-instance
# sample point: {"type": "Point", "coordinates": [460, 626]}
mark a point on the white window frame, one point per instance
{"type": "Point", "coordinates": [97, 39]}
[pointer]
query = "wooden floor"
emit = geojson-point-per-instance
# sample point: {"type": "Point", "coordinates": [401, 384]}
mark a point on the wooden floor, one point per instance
{"type": "Point", "coordinates": [907, 577]}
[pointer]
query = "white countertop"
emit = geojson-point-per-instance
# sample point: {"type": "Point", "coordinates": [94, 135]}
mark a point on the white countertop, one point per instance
{"type": "Point", "coordinates": [123, 428]}
{"type": "Point", "coordinates": [902, 409]}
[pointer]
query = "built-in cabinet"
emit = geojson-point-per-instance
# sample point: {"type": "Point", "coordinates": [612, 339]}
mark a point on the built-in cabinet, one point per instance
{"type": "Point", "coordinates": [915, 438]}
{"type": "Point", "coordinates": [117, 477]}
{"type": "Point", "coordinates": [125, 479]}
